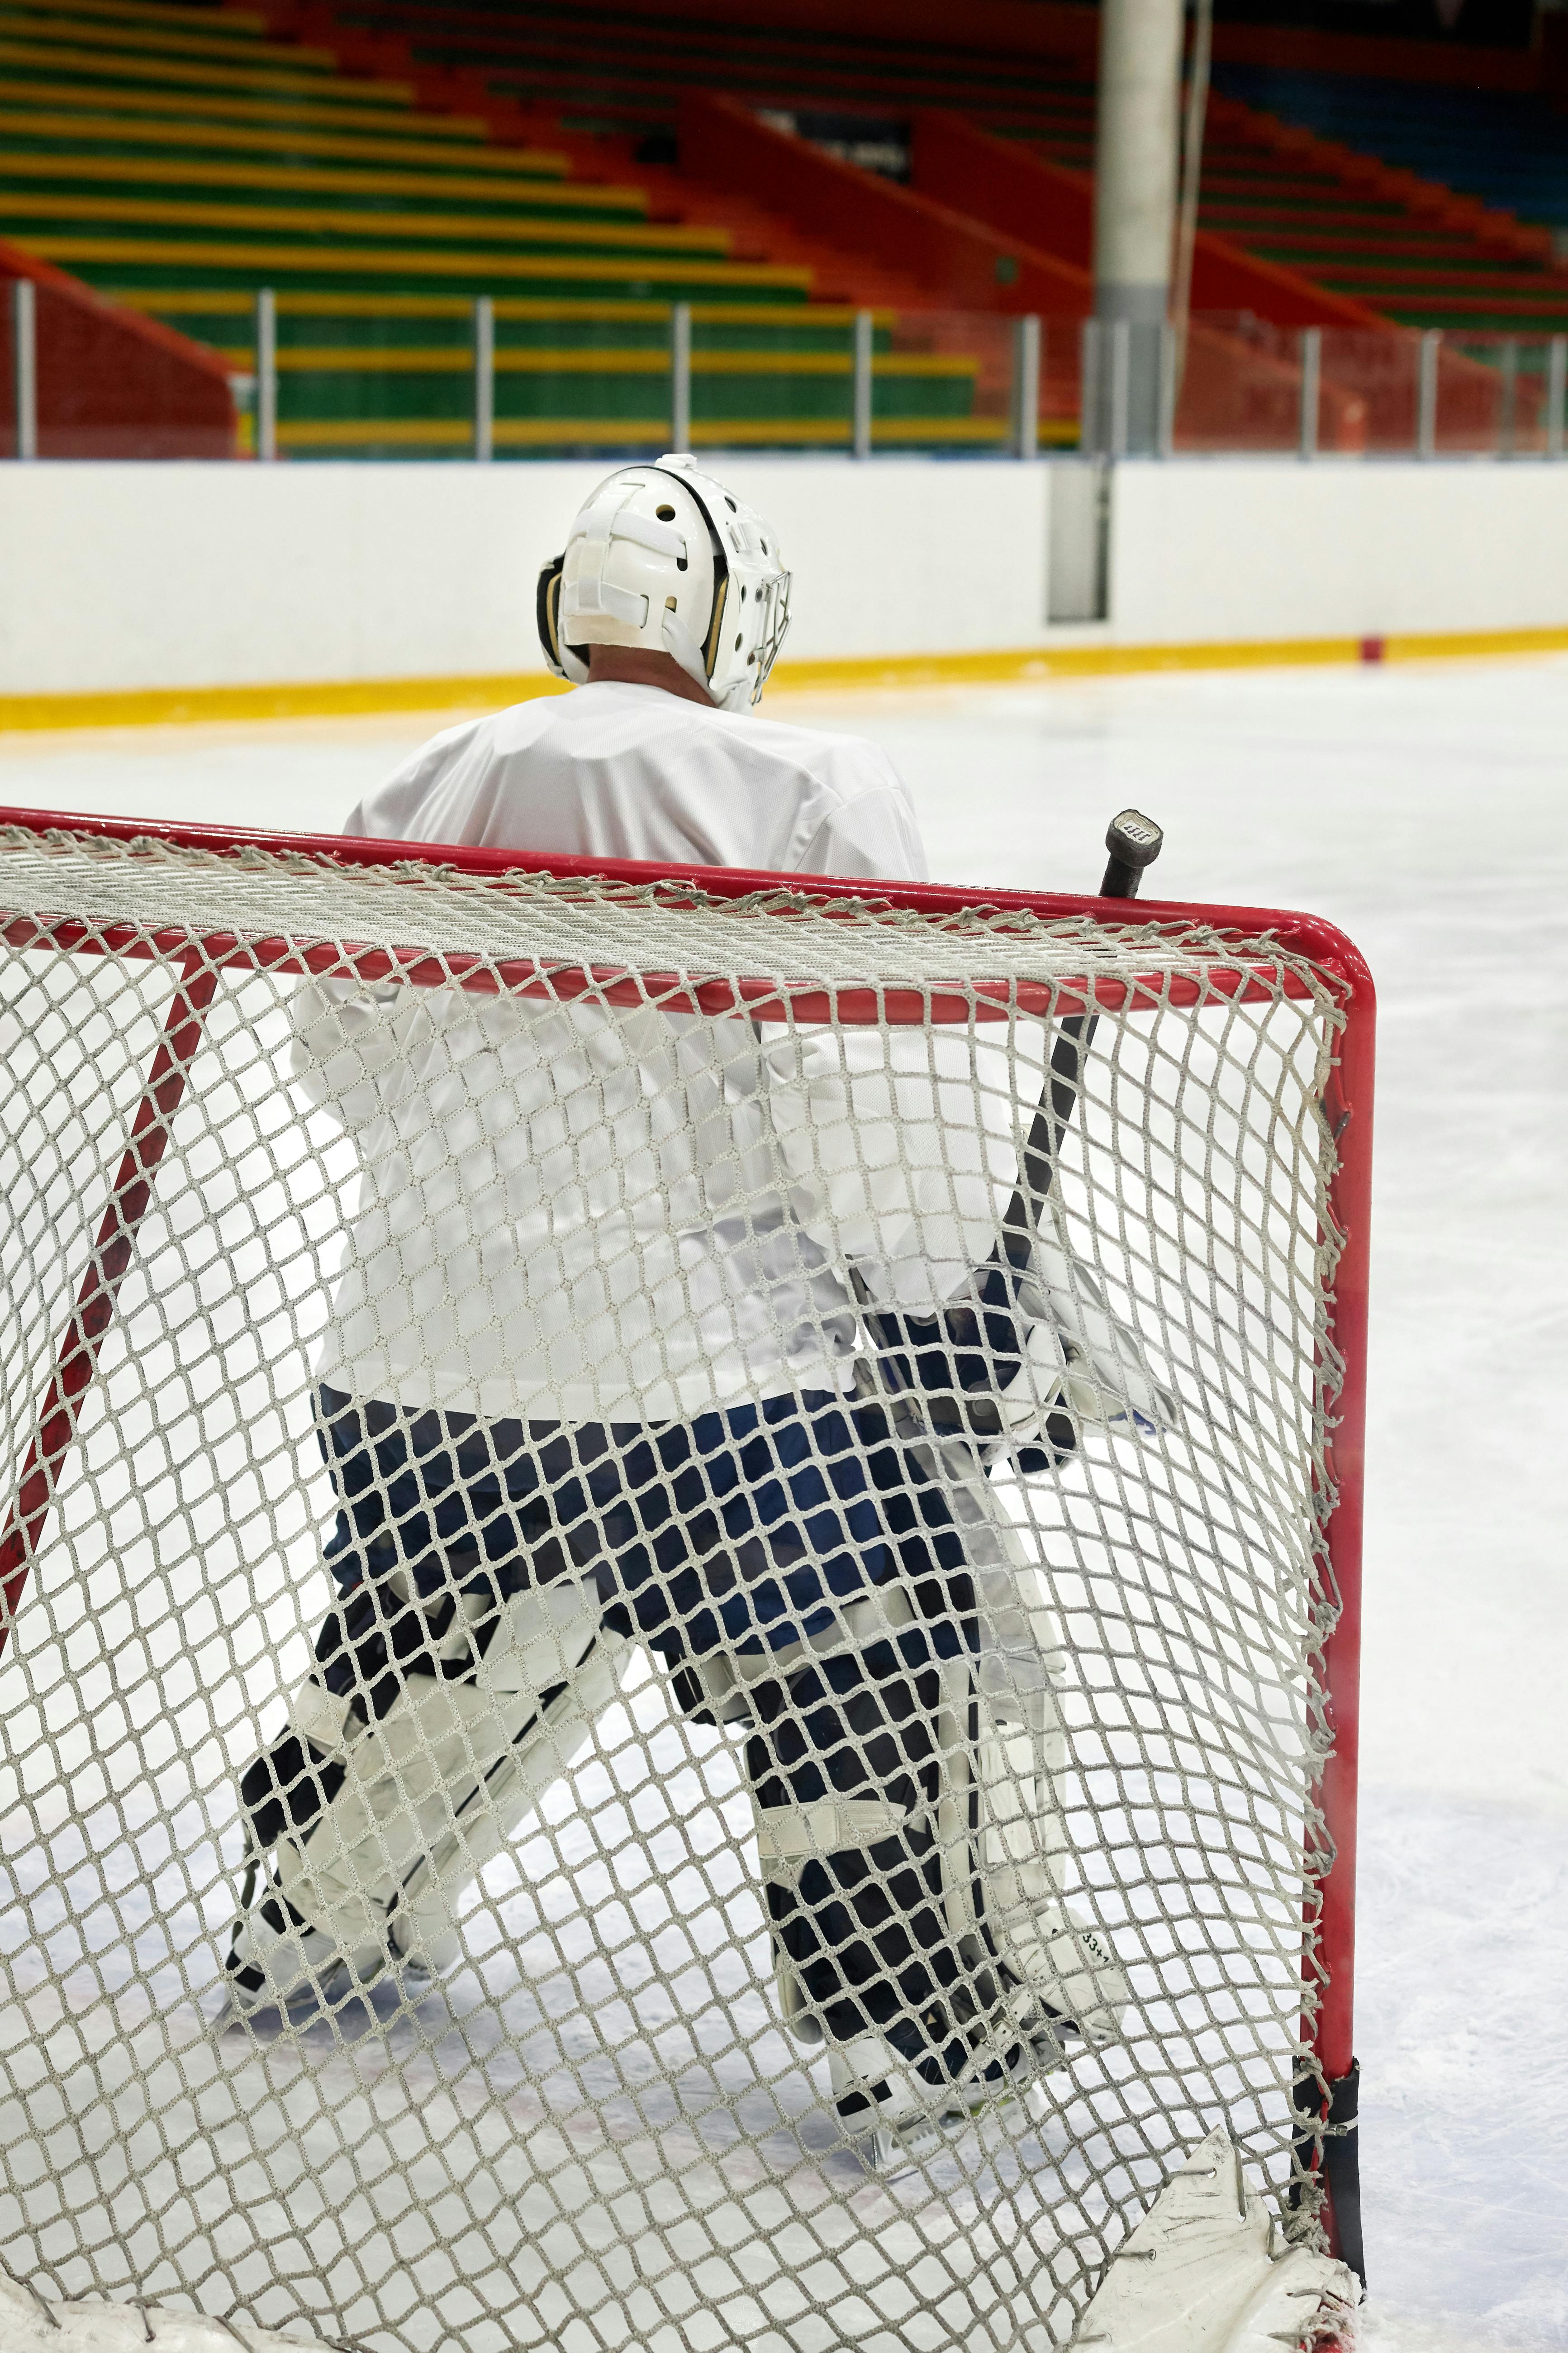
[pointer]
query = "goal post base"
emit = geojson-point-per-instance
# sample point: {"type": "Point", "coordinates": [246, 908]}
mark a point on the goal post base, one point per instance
{"type": "Point", "coordinates": [1205, 2272]}
{"type": "Point", "coordinates": [1328, 2138]}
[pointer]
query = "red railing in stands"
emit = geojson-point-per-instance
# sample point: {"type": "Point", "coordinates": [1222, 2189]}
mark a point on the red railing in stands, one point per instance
{"type": "Point", "coordinates": [109, 383]}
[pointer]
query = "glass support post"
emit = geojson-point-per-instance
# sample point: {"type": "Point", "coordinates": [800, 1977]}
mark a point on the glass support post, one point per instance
{"type": "Point", "coordinates": [861, 429]}
{"type": "Point", "coordinates": [266, 375]}
{"type": "Point", "coordinates": [1088, 435]}
{"type": "Point", "coordinates": [1120, 383]}
{"type": "Point", "coordinates": [1172, 339]}
{"type": "Point", "coordinates": [1426, 393]}
{"type": "Point", "coordinates": [1311, 390]}
{"type": "Point", "coordinates": [681, 377]}
{"type": "Point", "coordinates": [1508, 416]}
{"type": "Point", "coordinates": [484, 380]}
{"type": "Point", "coordinates": [24, 365]}
{"type": "Point", "coordinates": [1026, 388]}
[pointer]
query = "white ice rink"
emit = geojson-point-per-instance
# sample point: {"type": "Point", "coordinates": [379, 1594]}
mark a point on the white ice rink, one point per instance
{"type": "Point", "coordinates": [1425, 810]}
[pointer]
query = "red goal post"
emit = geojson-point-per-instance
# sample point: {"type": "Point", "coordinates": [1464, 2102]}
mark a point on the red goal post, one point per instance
{"type": "Point", "coordinates": [201, 954]}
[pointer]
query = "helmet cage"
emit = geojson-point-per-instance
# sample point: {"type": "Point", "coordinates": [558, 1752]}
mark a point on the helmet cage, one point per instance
{"type": "Point", "coordinates": [750, 615]}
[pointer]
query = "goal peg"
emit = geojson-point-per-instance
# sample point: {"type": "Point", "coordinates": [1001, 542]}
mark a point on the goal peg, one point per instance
{"type": "Point", "coordinates": [1135, 842]}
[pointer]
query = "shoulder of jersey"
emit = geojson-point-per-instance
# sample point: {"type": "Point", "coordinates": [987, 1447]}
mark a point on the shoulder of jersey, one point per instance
{"type": "Point", "coordinates": [826, 754]}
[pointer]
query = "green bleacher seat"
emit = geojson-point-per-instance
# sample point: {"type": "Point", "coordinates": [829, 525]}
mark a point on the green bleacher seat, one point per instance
{"type": "Point", "coordinates": [178, 160]}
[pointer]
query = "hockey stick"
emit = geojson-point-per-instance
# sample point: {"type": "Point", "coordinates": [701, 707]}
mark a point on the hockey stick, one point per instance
{"type": "Point", "coordinates": [952, 1359]}
{"type": "Point", "coordinates": [1135, 842]}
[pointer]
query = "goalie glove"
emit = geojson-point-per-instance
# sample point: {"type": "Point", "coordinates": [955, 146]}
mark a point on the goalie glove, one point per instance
{"type": "Point", "coordinates": [1022, 1359]}
{"type": "Point", "coordinates": [1107, 1376]}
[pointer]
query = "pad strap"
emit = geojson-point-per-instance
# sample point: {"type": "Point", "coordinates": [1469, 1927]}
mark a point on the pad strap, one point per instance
{"type": "Point", "coordinates": [789, 1837]}
{"type": "Point", "coordinates": [321, 1718]}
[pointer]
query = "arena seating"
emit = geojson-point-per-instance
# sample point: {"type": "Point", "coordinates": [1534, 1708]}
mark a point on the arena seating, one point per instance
{"type": "Point", "coordinates": [623, 73]}
{"type": "Point", "coordinates": [177, 160]}
{"type": "Point", "coordinates": [1509, 149]}
{"type": "Point", "coordinates": [381, 162]}
{"type": "Point", "coordinates": [1407, 246]}
{"type": "Point", "coordinates": [1405, 251]}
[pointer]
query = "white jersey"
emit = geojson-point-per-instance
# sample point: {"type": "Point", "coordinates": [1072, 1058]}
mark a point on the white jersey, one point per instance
{"type": "Point", "coordinates": [576, 1214]}
{"type": "Point", "coordinates": [615, 771]}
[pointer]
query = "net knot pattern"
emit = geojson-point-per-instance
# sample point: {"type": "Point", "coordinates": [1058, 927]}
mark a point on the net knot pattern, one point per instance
{"type": "Point", "coordinates": [723, 1503]}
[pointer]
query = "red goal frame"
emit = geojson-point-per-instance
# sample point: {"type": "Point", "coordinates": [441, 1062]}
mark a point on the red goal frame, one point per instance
{"type": "Point", "coordinates": [1330, 1963]}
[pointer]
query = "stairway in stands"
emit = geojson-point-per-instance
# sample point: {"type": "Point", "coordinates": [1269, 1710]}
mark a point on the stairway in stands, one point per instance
{"type": "Point", "coordinates": [178, 159]}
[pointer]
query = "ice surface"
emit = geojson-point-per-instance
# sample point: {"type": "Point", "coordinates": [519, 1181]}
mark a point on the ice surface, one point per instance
{"type": "Point", "coordinates": [1426, 809]}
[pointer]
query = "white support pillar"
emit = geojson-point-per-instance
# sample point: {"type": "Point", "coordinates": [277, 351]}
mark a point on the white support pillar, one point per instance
{"type": "Point", "coordinates": [24, 365]}
{"type": "Point", "coordinates": [1135, 196]}
{"type": "Point", "coordinates": [864, 325]}
{"type": "Point", "coordinates": [267, 374]}
{"type": "Point", "coordinates": [681, 377]}
{"type": "Point", "coordinates": [484, 380]}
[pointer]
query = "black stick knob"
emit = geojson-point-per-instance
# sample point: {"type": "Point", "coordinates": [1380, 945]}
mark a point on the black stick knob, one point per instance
{"type": "Point", "coordinates": [1135, 842]}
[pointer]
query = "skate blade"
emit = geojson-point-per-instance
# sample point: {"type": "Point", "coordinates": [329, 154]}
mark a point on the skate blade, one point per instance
{"type": "Point", "coordinates": [307, 2001]}
{"type": "Point", "coordinates": [314, 1996]}
{"type": "Point", "coordinates": [893, 2149]}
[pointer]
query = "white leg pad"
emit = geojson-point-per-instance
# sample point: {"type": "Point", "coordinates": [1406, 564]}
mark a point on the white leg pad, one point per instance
{"type": "Point", "coordinates": [436, 1787]}
{"type": "Point", "coordinates": [1062, 1961]}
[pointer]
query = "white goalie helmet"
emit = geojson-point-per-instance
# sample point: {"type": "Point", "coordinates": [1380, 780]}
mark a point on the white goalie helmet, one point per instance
{"type": "Point", "coordinates": [663, 556]}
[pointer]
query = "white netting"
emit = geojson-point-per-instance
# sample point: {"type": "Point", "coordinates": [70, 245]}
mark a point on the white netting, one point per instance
{"type": "Point", "coordinates": [580, 2116]}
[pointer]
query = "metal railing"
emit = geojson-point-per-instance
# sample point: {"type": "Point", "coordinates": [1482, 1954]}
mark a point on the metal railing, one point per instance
{"type": "Point", "coordinates": [867, 381]}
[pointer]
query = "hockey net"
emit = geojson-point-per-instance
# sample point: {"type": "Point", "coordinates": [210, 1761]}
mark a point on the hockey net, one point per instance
{"type": "Point", "coordinates": [589, 2124]}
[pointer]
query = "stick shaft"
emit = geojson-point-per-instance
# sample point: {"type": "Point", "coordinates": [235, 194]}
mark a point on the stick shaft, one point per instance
{"type": "Point", "coordinates": [1133, 842]}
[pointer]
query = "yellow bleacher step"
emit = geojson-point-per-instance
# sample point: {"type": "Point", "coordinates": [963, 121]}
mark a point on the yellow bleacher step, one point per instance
{"type": "Point", "coordinates": [587, 359]}
{"type": "Point", "coordinates": [157, 212]}
{"type": "Point", "coordinates": [246, 23]}
{"type": "Point", "coordinates": [179, 171]}
{"type": "Point", "coordinates": [368, 95]}
{"type": "Point", "coordinates": [233, 301]}
{"type": "Point", "coordinates": [85, 252]}
{"type": "Point", "coordinates": [544, 164]}
{"type": "Point", "coordinates": [68, 23]}
{"type": "Point", "coordinates": [614, 432]}
{"type": "Point", "coordinates": [393, 121]}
